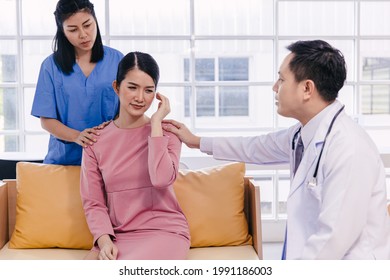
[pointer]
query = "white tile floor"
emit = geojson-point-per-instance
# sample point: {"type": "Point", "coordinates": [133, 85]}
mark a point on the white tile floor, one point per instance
{"type": "Point", "coordinates": [272, 251]}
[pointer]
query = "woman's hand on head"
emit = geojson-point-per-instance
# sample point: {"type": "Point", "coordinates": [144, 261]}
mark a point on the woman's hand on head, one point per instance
{"type": "Point", "coordinates": [163, 109]}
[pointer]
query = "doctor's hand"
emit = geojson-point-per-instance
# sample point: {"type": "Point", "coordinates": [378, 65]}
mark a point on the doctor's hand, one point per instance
{"type": "Point", "coordinates": [108, 250]}
{"type": "Point", "coordinates": [181, 131]}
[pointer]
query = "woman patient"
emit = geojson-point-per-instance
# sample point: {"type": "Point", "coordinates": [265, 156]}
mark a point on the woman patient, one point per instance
{"type": "Point", "coordinates": [127, 176]}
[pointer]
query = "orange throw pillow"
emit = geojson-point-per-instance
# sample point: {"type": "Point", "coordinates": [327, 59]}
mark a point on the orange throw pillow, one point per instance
{"type": "Point", "coordinates": [49, 211]}
{"type": "Point", "coordinates": [212, 199]}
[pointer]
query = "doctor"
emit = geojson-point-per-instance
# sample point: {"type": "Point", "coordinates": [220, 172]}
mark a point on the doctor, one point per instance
{"type": "Point", "coordinates": [337, 202]}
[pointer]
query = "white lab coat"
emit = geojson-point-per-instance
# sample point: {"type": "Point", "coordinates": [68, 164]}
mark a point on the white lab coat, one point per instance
{"type": "Point", "coordinates": [345, 215]}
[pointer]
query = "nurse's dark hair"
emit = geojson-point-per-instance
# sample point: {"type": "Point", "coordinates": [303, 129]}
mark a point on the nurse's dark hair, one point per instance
{"type": "Point", "coordinates": [64, 51]}
{"type": "Point", "coordinates": [318, 61]}
{"type": "Point", "coordinates": [138, 60]}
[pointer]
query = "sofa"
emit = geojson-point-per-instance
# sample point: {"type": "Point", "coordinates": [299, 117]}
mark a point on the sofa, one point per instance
{"type": "Point", "coordinates": [41, 215]}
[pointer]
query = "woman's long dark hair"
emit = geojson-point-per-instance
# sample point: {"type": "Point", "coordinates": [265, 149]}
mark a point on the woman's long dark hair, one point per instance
{"type": "Point", "coordinates": [64, 52]}
{"type": "Point", "coordinates": [143, 61]}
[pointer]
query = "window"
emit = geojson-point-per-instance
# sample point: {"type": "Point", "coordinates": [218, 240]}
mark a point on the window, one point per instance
{"type": "Point", "coordinates": [218, 62]}
{"type": "Point", "coordinates": [376, 98]}
{"type": "Point", "coordinates": [218, 101]}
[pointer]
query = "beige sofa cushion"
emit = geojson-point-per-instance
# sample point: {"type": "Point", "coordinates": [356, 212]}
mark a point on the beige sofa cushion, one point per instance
{"type": "Point", "coordinates": [245, 252]}
{"type": "Point", "coordinates": [212, 199]}
{"type": "Point", "coordinates": [49, 211]}
{"type": "Point", "coordinates": [42, 254]}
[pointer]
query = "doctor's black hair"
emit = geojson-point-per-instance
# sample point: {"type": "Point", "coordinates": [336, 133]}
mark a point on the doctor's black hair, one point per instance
{"type": "Point", "coordinates": [143, 61]}
{"type": "Point", "coordinates": [64, 51]}
{"type": "Point", "coordinates": [318, 61]}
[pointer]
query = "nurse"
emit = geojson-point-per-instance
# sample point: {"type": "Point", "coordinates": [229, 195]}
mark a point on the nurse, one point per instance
{"type": "Point", "coordinates": [337, 202]}
{"type": "Point", "coordinates": [74, 92]}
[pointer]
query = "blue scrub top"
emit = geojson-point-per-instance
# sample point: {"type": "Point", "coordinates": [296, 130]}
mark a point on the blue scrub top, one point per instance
{"type": "Point", "coordinates": [77, 101]}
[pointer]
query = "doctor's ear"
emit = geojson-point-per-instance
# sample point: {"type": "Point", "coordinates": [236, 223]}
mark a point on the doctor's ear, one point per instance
{"type": "Point", "coordinates": [308, 88]}
{"type": "Point", "coordinates": [308, 85]}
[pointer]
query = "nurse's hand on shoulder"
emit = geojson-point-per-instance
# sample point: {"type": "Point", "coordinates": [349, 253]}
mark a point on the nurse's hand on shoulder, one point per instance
{"type": "Point", "coordinates": [87, 137]}
{"type": "Point", "coordinates": [181, 131]}
{"type": "Point", "coordinates": [102, 125]}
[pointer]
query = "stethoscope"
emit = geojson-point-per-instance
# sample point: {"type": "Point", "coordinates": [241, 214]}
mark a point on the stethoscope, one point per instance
{"type": "Point", "coordinates": [313, 182]}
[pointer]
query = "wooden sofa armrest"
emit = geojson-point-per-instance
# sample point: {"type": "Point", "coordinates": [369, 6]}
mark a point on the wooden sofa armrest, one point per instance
{"type": "Point", "coordinates": [11, 193]}
{"type": "Point", "coordinates": [3, 214]}
{"type": "Point", "coordinates": [253, 213]}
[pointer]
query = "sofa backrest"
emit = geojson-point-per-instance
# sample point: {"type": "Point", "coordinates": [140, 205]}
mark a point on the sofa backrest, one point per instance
{"type": "Point", "coordinates": [12, 194]}
{"type": "Point", "coordinates": [251, 208]}
{"type": "Point", "coordinates": [249, 205]}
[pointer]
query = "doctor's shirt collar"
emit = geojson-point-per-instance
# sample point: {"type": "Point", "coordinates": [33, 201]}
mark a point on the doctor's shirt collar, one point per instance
{"type": "Point", "coordinates": [309, 130]}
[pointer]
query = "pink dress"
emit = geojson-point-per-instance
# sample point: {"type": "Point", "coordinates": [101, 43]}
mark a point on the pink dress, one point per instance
{"type": "Point", "coordinates": [126, 190]}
